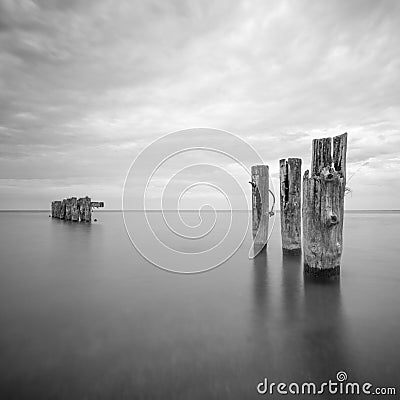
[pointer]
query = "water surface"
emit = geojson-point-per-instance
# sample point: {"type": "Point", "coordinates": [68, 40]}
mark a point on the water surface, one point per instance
{"type": "Point", "coordinates": [84, 316]}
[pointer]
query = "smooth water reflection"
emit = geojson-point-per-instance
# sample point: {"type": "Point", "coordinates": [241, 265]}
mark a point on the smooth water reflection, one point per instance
{"type": "Point", "coordinates": [83, 316]}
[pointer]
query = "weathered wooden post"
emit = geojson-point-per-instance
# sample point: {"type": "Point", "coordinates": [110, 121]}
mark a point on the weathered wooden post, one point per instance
{"type": "Point", "coordinates": [68, 210]}
{"type": "Point", "coordinates": [81, 209]}
{"type": "Point", "coordinates": [290, 202]}
{"type": "Point", "coordinates": [74, 209]}
{"type": "Point", "coordinates": [63, 209]}
{"type": "Point", "coordinates": [58, 205]}
{"type": "Point", "coordinates": [260, 203]}
{"type": "Point", "coordinates": [87, 209]}
{"type": "Point", "coordinates": [55, 209]}
{"type": "Point", "coordinates": [323, 206]}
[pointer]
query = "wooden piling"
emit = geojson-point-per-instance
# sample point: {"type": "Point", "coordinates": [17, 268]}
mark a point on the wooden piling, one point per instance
{"type": "Point", "coordinates": [68, 210]}
{"type": "Point", "coordinates": [58, 205]}
{"type": "Point", "coordinates": [81, 211]}
{"type": "Point", "coordinates": [323, 207]}
{"type": "Point", "coordinates": [260, 203]}
{"type": "Point", "coordinates": [63, 209]}
{"type": "Point", "coordinates": [73, 209]}
{"type": "Point", "coordinates": [290, 204]}
{"type": "Point", "coordinates": [56, 209]}
{"type": "Point", "coordinates": [87, 209]}
{"type": "Point", "coordinates": [96, 204]}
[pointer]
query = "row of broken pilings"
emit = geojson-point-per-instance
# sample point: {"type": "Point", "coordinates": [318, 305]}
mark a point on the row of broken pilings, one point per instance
{"type": "Point", "coordinates": [74, 209]}
{"type": "Point", "coordinates": [322, 210]}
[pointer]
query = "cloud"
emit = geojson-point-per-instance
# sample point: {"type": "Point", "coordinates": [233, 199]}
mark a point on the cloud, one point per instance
{"type": "Point", "coordinates": [84, 86]}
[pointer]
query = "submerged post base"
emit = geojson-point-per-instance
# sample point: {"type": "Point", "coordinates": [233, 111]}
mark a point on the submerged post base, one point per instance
{"type": "Point", "coordinates": [292, 252]}
{"type": "Point", "coordinates": [322, 272]}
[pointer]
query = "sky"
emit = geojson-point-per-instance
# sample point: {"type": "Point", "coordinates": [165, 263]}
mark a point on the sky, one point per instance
{"type": "Point", "coordinates": [85, 86]}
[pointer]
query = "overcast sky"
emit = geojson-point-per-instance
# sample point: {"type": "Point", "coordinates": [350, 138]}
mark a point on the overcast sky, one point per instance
{"type": "Point", "coordinates": [85, 85]}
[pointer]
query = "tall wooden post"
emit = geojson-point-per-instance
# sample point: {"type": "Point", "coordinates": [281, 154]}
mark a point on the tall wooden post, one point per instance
{"type": "Point", "coordinates": [290, 202]}
{"type": "Point", "coordinates": [87, 209]}
{"type": "Point", "coordinates": [323, 206]}
{"type": "Point", "coordinates": [68, 209]}
{"type": "Point", "coordinates": [74, 209]}
{"type": "Point", "coordinates": [63, 209]}
{"type": "Point", "coordinates": [84, 209]}
{"type": "Point", "coordinates": [260, 203]}
{"type": "Point", "coordinates": [56, 209]}
{"type": "Point", "coordinates": [58, 205]}
{"type": "Point", "coordinates": [81, 211]}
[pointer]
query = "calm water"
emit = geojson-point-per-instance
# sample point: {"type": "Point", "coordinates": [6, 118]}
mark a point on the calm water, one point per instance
{"type": "Point", "coordinates": [84, 316]}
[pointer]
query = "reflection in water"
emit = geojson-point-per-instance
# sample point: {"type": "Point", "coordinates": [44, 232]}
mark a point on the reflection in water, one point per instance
{"type": "Point", "coordinates": [299, 328]}
{"type": "Point", "coordinates": [83, 315]}
{"type": "Point", "coordinates": [324, 341]}
{"type": "Point", "coordinates": [291, 287]}
{"type": "Point", "coordinates": [79, 235]}
{"type": "Point", "coordinates": [260, 283]}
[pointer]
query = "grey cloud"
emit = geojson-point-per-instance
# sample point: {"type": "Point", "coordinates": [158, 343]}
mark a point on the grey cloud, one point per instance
{"type": "Point", "coordinates": [87, 84]}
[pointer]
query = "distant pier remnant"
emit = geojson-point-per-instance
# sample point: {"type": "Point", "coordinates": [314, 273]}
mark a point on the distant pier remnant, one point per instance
{"type": "Point", "coordinates": [290, 202]}
{"type": "Point", "coordinates": [260, 203]}
{"type": "Point", "coordinates": [323, 206]}
{"type": "Point", "coordinates": [73, 209]}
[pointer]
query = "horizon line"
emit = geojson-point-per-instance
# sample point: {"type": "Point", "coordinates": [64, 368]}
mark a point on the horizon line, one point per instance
{"type": "Point", "coordinates": [187, 210]}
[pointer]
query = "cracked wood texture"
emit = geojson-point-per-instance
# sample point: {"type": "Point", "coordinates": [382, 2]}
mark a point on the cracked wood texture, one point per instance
{"type": "Point", "coordinates": [260, 203]}
{"type": "Point", "coordinates": [323, 206]}
{"type": "Point", "coordinates": [290, 204]}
